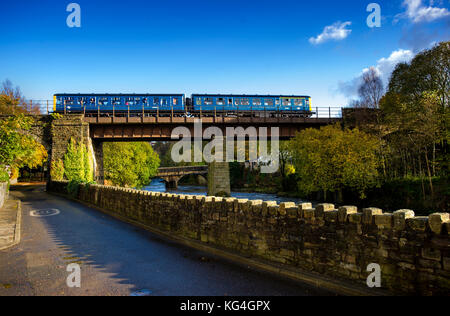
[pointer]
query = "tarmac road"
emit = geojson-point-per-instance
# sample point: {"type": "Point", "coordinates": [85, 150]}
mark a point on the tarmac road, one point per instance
{"type": "Point", "coordinates": [117, 258]}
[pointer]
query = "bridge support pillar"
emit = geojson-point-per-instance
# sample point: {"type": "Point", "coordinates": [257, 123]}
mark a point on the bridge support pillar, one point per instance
{"type": "Point", "coordinates": [219, 179]}
{"type": "Point", "coordinates": [172, 184]}
{"type": "Point", "coordinates": [99, 174]}
{"type": "Point", "coordinates": [65, 128]}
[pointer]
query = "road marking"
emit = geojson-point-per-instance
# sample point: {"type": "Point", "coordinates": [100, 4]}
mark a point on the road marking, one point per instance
{"type": "Point", "coordinates": [45, 212]}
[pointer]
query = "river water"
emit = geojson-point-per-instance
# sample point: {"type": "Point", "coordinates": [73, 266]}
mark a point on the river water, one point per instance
{"type": "Point", "coordinates": [158, 185]}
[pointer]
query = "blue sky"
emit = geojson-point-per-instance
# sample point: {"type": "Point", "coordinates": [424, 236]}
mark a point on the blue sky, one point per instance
{"type": "Point", "coordinates": [234, 46]}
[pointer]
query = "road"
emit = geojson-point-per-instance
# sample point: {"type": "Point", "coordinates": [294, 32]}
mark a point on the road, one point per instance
{"type": "Point", "coordinates": [117, 258]}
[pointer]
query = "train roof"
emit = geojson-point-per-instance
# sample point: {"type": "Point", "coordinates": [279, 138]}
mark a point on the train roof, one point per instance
{"type": "Point", "coordinates": [251, 96]}
{"type": "Point", "coordinates": [118, 94]}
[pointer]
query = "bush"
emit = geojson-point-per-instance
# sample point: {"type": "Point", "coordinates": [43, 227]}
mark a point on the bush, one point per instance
{"type": "Point", "coordinates": [57, 170]}
{"type": "Point", "coordinates": [73, 188]}
{"type": "Point", "coordinates": [4, 176]}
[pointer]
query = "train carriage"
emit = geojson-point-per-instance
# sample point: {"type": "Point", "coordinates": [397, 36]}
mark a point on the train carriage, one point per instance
{"type": "Point", "coordinates": [106, 104]}
{"type": "Point", "coordinates": [256, 105]}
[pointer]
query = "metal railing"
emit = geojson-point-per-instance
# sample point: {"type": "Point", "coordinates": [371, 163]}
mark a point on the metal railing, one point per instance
{"type": "Point", "coordinates": [46, 107]}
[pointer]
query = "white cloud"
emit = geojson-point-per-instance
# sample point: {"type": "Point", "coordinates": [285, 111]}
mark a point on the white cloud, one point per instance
{"type": "Point", "coordinates": [384, 68]}
{"type": "Point", "coordinates": [417, 12]}
{"type": "Point", "coordinates": [338, 31]}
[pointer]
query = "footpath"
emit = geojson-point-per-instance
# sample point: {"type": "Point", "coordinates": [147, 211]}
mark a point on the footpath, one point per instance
{"type": "Point", "coordinates": [10, 223]}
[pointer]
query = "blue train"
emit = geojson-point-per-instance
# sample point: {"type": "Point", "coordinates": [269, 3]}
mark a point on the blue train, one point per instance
{"type": "Point", "coordinates": [177, 104]}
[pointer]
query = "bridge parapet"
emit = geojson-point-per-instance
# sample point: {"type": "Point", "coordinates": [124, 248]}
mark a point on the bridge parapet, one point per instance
{"type": "Point", "coordinates": [412, 252]}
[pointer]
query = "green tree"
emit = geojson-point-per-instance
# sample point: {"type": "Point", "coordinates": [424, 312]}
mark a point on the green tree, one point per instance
{"type": "Point", "coordinates": [78, 163]}
{"type": "Point", "coordinates": [130, 164]}
{"type": "Point", "coordinates": [18, 149]}
{"type": "Point", "coordinates": [415, 115]}
{"type": "Point", "coordinates": [332, 159]}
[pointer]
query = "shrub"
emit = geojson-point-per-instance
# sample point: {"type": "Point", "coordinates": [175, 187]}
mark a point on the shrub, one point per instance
{"type": "Point", "coordinates": [73, 188]}
{"type": "Point", "coordinates": [57, 170]}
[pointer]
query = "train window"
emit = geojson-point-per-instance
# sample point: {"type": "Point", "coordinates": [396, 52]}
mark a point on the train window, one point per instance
{"type": "Point", "coordinates": [116, 101]}
{"type": "Point", "coordinates": [220, 101]}
{"type": "Point", "coordinates": [208, 101]}
{"type": "Point", "coordinates": [164, 102]}
{"type": "Point", "coordinates": [277, 102]}
{"type": "Point", "coordinates": [286, 102]}
{"type": "Point", "coordinates": [102, 101]}
{"type": "Point", "coordinates": [268, 102]}
{"type": "Point", "coordinates": [237, 101]}
{"type": "Point", "coordinates": [144, 101]}
{"type": "Point", "coordinates": [69, 101]}
{"type": "Point", "coordinates": [198, 101]}
{"type": "Point", "coordinates": [129, 101]}
{"type": "Point", "coordinates": [245, 101]}
{"type": "Point", "coordinates": [230, 101]}
{"type": "Point", "coordinates": [257, 102]}
{"type": "Point", "coordinates": [155, 101]}
{"type": "Point", "coordinates": [175, 101]}
{"type": "Point", "coordinates": [298, 102]}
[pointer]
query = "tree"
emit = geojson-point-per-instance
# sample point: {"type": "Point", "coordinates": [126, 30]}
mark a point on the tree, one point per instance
{"type": "Point", "coordinates": [415, 111]}
{"type": "Point", "coordinates": [12, 101]}
{"type": "Point", "coordinates": [78, 164]}
{"type": "Point", "coordinates": [130, 164]}
{"type": "Point", "coordinates": [18, 149]}
{"type": "Point", "coordinates": [332, 159]}
{"type": "Point", "coordinates": [371, 90]}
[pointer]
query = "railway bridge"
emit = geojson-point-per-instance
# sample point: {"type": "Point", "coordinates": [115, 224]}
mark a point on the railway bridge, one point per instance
{"type": "Point", "coordinates": [55, 132]}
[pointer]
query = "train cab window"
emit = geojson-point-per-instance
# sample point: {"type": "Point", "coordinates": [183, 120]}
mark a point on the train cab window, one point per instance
{"type": "Point", "coordinates": [220, 101]}
{"type": "Point", "coordinates": [59, 101]}
{"type": "Point", "coordinates": [257, 102]}
{"type": "Point", "coordinates": [268, 102]}
{"type": "Point", "coordinates": [208, 101]}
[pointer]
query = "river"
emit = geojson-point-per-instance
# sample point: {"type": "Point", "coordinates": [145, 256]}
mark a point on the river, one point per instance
{"type": "Point", "coordinates": [158, 185]}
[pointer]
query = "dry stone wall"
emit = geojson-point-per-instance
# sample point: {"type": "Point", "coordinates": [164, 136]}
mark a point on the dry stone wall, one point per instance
{"type": "Point", "coordinates": [413, 252]}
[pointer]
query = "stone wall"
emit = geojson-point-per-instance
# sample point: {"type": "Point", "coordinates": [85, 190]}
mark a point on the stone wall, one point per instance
{"type": "Point", "coordinates": [3, 193]}
{"type": "Point", "coordinates": [413, 252]}
{"type": "Point", "coordinates": [65, 128]}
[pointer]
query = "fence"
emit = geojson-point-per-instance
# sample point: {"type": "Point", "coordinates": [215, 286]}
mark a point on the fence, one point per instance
{"type": "Point", "coordinates": [46, 107]}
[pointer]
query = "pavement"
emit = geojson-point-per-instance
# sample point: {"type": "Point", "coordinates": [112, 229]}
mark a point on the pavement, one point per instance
{"type": "Point", "coordinates": [10, 222]}
{"type": "Point", "coordinates": [117, 258]}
